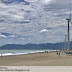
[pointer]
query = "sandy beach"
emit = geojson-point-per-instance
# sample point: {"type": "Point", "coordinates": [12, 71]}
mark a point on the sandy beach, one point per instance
{"type": "Point", "coordinates": [37, 59]}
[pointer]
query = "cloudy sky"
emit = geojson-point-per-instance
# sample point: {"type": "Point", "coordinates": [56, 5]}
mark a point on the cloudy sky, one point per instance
{"type": "Point", "coordinates": [33, 21]}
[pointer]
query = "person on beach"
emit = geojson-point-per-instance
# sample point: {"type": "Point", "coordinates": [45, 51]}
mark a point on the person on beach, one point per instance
{"type": "Point", "coordinates": [59, 53]}
{"type": "Point", "coordinates": [47, 51]}
{"type": "Point", "coordinates": [1, 55]}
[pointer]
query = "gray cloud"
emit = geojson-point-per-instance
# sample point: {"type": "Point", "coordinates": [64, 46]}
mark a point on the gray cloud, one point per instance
{"type": "Point", "coordinates": [38, 22]}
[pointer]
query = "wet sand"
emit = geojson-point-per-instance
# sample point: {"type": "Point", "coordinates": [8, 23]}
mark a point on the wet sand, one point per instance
{"type": "Point", "coordinates": [37, 59]}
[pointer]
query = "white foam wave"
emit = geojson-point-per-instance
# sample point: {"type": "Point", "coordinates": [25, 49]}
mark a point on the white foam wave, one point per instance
{"type": "Point", "coordinates": [9, 54]}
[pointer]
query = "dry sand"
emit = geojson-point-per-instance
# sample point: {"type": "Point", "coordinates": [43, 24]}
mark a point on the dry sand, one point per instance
{"type": "Point", "coordinates": [37, 59]}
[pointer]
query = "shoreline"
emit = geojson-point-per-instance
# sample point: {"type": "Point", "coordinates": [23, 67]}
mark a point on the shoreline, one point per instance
{"type": "Point", "coordinates": [12, 54]}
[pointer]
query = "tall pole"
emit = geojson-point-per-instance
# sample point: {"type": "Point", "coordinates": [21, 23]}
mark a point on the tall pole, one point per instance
{"type": "Point", "coordinates": [62, 46]}
{"type": "Point", "coordinates": [68, 34]}
{"type": "Point", "coordinates": [65, 42]}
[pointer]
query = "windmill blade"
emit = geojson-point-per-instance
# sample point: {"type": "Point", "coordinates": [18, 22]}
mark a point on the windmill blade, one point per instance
{"type": "Point", "coordinates": [70, 17]}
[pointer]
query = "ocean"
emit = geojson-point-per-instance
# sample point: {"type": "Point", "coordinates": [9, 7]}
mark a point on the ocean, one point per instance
{"type": "Point", "coordinates": [18, 52]}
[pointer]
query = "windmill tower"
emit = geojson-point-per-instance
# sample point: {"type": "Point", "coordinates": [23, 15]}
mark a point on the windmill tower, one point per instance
{"type": "Point", "coordinates": [69, 21]}
{"type": "Point", "coordinates": [68, 34]}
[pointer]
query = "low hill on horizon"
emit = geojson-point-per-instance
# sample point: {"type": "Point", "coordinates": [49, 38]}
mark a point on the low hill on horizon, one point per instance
{"type": "Point", "coordinates": [34, 46]}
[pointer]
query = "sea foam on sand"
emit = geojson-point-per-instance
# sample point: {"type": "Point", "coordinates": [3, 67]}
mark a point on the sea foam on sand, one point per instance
{"type": "Point", "coordinates": [9, 54]}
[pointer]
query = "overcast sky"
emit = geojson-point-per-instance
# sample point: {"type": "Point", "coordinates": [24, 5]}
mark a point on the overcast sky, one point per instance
{"type": "Point", "coordinates": [33, 21]}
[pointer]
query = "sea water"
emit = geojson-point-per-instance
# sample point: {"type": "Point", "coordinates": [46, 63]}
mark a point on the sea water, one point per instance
{"type": "Point", "coordinates": [18, 52]}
